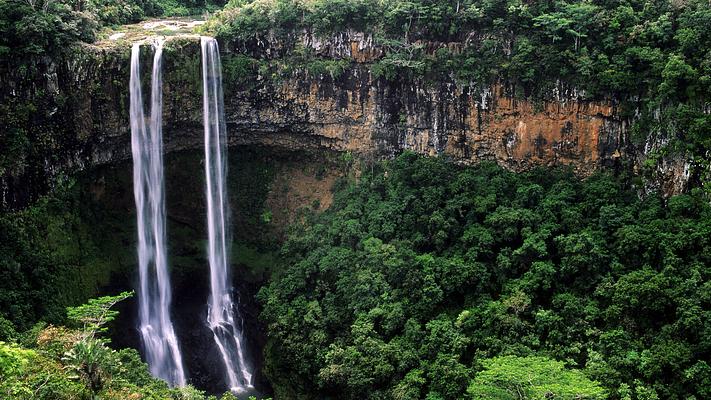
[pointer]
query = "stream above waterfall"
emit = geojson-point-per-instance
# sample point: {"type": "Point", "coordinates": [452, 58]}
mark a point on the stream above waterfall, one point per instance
{"type": "Point", "coordinates": [165, 27]}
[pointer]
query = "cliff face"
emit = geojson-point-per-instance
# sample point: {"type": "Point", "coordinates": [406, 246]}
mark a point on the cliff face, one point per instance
{"type": "Point", "coordinates": [85, 122]}
{"type": "Point", "coordinates": [355, 113]}
{"type": "Point", "coordinates": [468, 123]}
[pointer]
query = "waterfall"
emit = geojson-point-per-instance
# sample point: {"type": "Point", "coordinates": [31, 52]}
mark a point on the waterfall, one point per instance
{"type": "Point", "coordinates": [154, 294]}
{"type": "Point", "coordinates": [221, 313]}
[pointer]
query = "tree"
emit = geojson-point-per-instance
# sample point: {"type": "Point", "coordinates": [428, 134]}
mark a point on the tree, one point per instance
{"type": "Point", "coordinates": [94, 315]}
{"type": "Point", "coordinates": [90, 358]}
{"type": "Point", "coordinates": [533, 377]}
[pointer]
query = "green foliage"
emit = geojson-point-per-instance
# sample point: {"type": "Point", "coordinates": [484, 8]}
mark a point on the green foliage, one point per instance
{"type": "Point", "coordinates": [327, 16]}
{"type": "Point", "coordinates": [89, 360]}
{"type": "Point", "coordinates": [422, 271]}
{"type": "Point", "coordinates": [333, 68]}
{"type": "Point", "coordinates": [13, 359]}
{"type": "Point", "coordinates": [109, 12]}
{"type": "Point", "coordinates": [94, 315]}
{"type": "Point", "coordinates": [7, 329]}
{"type": "Point", "coordinates": [404, 60]}
{"type": "Point", "coordinates": [26, 374]}
{"type": "Point", "coordinates": [184, 8]}
{"type": "Point", "coordinates": [89, 357]}
{"type": "Point", "coordinates": [246, 19]}
{"type": "Point", "coordinates": [239, 71]}
{"type": "Point", "coordinates": [33, 28]}
{"type": "Point", "coordinates": [599, 47]}
{"type": "Point", "coordinates": [50, 258]}
{"type": "Point", "coordinates": [88, 369]}
{"type": "Point", "coordinates": [511, 377]}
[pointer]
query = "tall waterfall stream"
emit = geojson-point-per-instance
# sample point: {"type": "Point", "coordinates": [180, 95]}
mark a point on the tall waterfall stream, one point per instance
{"type": "Point", "coordinates": [160, 343]}
{"type": "Point", "coordinates": [221, 317]}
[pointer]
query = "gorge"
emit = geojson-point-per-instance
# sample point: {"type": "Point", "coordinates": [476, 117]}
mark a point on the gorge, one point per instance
{"type": "Point", "coordinates": [354, 199]}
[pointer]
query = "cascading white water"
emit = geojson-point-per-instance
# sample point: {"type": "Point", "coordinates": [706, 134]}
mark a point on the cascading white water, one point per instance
{"type": "Point", "coordinates": [154, 294]}
{"type": "Point", "coordinates": [221, 315]}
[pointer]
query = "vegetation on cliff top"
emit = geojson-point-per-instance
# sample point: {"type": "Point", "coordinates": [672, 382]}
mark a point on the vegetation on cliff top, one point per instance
{"type": "Point", "coordinates": [634, 48]}
{"type": "Point", "coordinates": [35, 28]}
{"type": "Point", "coordinates": [424, 274]}
{"type": "Point", "coordinates": [652, 59]}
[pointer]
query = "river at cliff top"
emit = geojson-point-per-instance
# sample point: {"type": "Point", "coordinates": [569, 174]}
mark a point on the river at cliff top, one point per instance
{"type": "Point", "coordinates": [183, 26]}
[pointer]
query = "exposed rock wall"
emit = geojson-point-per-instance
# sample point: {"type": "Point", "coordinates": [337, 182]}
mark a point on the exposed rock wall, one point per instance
{"type": "Point", "coordinates": [358, 114]}
{"type": "Point", "coordinates": [86, 122]}
{"type": "Point", "coordinates": [468, 123]}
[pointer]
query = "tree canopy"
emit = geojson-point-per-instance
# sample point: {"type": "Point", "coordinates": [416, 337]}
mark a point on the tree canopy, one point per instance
{"type": "Point", "coordinates": [424, 278]}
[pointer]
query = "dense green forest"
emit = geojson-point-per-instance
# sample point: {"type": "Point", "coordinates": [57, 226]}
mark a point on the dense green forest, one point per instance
{"type": "Point", "coordinates": [423, 279]}
{"type": "Point", "coordinates": [422, 271]}
{"type": "Point", "coordinates": [429, 280]}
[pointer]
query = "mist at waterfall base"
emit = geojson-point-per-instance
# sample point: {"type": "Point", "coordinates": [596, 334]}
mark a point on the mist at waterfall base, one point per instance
{"type": "Point", "coordinates": [159, 342]}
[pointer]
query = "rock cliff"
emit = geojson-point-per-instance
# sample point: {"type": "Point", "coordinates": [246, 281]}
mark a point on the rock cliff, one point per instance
{"type": "Point", "coordinates": [81, 113]}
